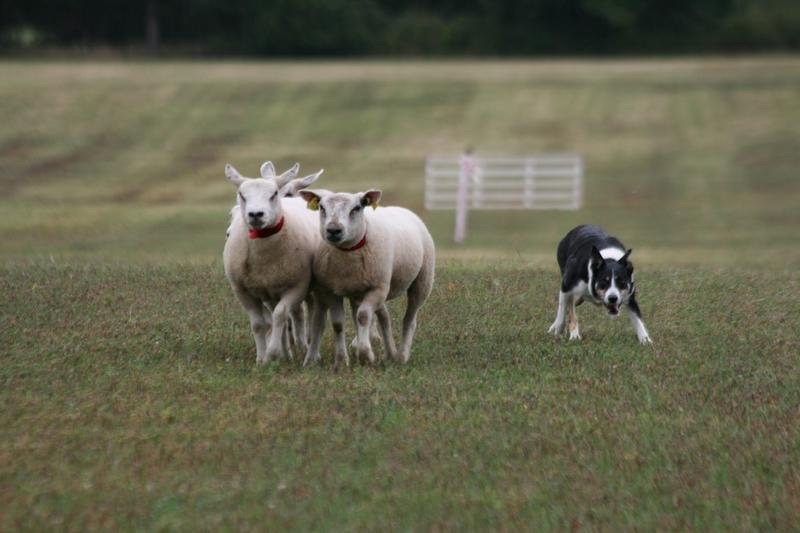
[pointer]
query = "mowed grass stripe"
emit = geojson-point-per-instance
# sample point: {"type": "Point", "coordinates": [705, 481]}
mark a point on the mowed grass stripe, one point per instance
{"type": "Point", "coordinates": [690, 155]}
{"type": "Point", "coordinates": [131, 399]}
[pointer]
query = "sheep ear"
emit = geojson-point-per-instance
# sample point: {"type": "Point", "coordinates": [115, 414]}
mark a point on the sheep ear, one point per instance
{"type": "Point", "coordinates": [267, 170]}
{"type": "Point", "coordinates": [291, 188]}
{"type": "Point", "coordinates": [371, 197]}
{"type": "Point", "coordinates": [311, 197]}
{"type": "Point", "coordinates": [233, 175]}
{"type": "Point", "coordinates": [284, 178]}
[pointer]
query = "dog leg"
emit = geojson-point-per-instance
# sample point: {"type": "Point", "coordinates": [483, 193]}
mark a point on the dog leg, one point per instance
{"type": "Point", "coordinates": [572, 321]}
{"type": "Point", "coordinates": [636, 321]}
{"type": "Point", "coordinates": [558, 326]}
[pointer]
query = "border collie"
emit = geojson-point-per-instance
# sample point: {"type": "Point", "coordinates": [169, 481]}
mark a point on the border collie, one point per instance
{"type": "Point", "coordinates": [595, 266]}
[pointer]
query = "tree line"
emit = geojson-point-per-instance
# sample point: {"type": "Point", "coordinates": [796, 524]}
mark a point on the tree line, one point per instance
{"type": "Point", "coordinates": [402, 27]}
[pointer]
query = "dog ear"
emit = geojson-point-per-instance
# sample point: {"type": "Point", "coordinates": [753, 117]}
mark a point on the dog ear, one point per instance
{"type": "Point", "coordinates": [624, 261]}
{"type": "Point", "coordinates": [597, 259]}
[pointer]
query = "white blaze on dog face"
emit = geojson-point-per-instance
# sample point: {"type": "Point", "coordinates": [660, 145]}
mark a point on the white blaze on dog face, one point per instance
{"type": "Point", "coordinates": [341, 215]}
{"type": "Point", "coordinates": [613, 282]}
{"type": "Point", "coordinates": [259, 199]}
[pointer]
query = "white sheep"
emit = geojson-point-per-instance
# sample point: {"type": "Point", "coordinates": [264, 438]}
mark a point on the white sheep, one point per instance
{"type": "Point", "coordinates": [368, 256]}
{"type": "Point", "coordinates": [268, 256]}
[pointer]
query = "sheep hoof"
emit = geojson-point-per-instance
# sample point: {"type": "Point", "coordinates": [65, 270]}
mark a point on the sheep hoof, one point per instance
{"type": "Point", "coordinates": [275, 355]}
{"type": "Point", "coordinates": [288, 354]}
{"type": "Point", "coordinates": [366, 356]}
{"type": "Point", "coordinates": [341, 362]}
{"type": "Point", "coordinates": [262, 360]}
{"type": "Point", "coordinates": [311, 359]}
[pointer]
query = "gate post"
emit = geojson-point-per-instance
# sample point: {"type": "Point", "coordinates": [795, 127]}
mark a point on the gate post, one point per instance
{"type": "Point", "coordinates": [467, 167]}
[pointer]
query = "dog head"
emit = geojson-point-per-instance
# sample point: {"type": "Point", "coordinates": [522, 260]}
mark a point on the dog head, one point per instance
{"type": "Point", "coordinates": [612, 280]}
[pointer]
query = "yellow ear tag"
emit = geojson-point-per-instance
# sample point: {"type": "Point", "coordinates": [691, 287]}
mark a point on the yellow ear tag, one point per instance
{"type": "Point", "coordinates": [314, 204]}
{"type": "Point", "coordinates": [375, 206]}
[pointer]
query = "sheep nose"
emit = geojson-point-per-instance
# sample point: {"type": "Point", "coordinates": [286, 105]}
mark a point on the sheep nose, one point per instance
{"type": "Point", "coordinates": [612, 299]}
{"type": "Point", "coordinates": [334, 234]}
{"type": "Point", "coordinates": [255, 214]}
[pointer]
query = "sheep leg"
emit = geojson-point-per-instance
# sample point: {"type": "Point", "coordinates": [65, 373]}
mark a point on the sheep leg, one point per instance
{"type": "Point", "coordinates": [417, 293]}
{"type": "Point", "coordinates": [287, 340]}
{"type": "Point", "coordinates": [310, 300]}
{"type": "Point", "coordinates": [409, 327]}
{"type": "Point", "coordinates": [340, 346]}
{"type": "Point", "coordinates": [258, 324]}
{"type": "Point", "coordinates": [374, 335]}
{"type": "Point", "coordinates": [317, 326]}
{"type": "Point", "coordinates": [385, 322]}
{"type": "Point", "coordinates": [364, 316]}
{"type": "Point", "coordinates": [299, 329]}
{"type": "Point", "coordinates": [266, 310]}
{"type": "Point", "coordinates": [280, 315]}
{"type": "Point", "coordinates": [353, 312]}
{"type": "Point", "coordinates": [290, 327]}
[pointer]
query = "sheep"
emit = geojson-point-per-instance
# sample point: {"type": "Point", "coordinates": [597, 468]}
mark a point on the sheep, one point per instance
{"type": "Point", "coordinates": [268, 256]}
{"type": "Point", "coordinates": [369, 257]}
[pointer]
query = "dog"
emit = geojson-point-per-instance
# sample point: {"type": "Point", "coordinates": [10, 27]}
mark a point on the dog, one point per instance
{"type": "Point", "coordinates": [596, 267]}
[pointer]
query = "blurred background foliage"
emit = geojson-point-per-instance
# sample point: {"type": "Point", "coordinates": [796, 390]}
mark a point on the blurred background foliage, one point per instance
{"type": "Point", "coordinates": [293, 28]}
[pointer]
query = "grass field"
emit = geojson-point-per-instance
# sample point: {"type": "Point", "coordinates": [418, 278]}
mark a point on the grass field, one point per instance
{"type": "Point", "coordinates": [129, 397]}
{"type": "Point", "coordinates": [122, 410]}
{"type": "Point", "coordinates": [124, 161]}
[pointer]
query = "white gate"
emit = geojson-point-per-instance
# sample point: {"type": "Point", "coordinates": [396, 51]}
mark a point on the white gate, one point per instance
{"type": "Point", "coordinates": [530, 182]}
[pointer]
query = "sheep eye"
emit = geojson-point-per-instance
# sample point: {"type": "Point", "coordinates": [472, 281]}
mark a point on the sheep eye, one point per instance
{"type": "Point", "coordinates": [355, 210]}
{"type": "Point", "coordinates": [241, 196]}
{"type": "Point", "coordinates": [322, 210]}
{"type": "Point", "coordinates": [273, 195]}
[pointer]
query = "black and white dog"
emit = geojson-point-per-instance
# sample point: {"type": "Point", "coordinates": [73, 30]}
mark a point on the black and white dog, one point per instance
{"type": "Point", "coordinates": [595, 266]}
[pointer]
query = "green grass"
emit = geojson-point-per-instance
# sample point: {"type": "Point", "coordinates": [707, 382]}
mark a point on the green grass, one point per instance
{"type": "Point", "coordinates": [124, 160]}
{"type": "Point", "coordinates": [129, 395]}
{"type": "Point", "coordinates": [121, 410]}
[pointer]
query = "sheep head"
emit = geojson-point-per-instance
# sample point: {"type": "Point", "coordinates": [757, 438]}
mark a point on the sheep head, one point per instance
{"type": "Point", "coordinates": [260, 198]}
{"type": "Point", "coordinates": [341, 215]}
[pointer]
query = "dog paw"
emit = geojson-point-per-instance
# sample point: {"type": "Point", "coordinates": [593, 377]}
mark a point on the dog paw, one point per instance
{"type": "Point", "coordinates": [645, 339]}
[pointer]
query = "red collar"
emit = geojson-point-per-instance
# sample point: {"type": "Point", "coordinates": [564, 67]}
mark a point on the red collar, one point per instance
{"type": "Point", "coordinates": [266, 232]}
{"type": "Point", "coordinates": [360, 244]}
